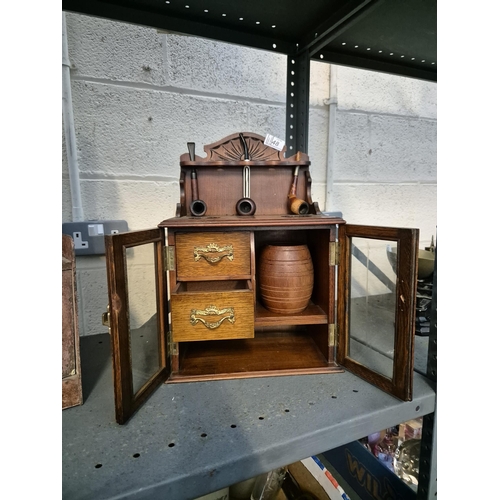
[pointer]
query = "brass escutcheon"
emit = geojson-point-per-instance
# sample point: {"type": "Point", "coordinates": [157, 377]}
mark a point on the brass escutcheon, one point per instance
{"type": "Point", "coordinates": [212, 311]}
{"type": "Point", "coordinates": [212, 248]}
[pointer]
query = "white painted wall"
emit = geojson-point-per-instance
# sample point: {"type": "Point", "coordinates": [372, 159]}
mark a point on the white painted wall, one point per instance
{"type": "Point", "coordinates": [139, 96]}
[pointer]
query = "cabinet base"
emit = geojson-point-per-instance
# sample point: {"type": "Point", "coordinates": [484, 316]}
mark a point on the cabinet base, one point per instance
{"type": "Point", "coordinates": [176, 378]}
{"type": "Point", "coordinates": [264, 356]}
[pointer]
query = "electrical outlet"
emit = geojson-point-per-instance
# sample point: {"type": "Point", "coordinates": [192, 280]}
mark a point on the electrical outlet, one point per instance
{"type": "Point", "coordinates": [79, 243]}
{"type": "Point", "coordinates": [88, 236]}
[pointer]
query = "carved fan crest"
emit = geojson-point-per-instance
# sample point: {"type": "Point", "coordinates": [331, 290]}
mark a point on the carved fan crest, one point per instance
{"type": "Point", "coordinates": [231, 149]}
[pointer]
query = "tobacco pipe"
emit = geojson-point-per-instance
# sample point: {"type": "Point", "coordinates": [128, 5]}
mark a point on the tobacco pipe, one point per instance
{"type": "Point", "coordinates": [198, 207]}
{"type": "Point", "coordinates": [296, 205]}
{"type": "Point", "coordinates": [245, 206]}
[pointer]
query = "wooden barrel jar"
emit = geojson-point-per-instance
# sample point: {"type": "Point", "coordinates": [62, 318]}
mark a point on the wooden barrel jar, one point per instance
{"type": "Point", "coordinates": [286, 278]}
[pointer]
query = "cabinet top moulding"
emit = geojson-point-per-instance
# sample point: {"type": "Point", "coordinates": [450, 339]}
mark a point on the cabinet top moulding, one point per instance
{"type": "Point", "coordinates": [318, 221]}
{"type": "Point", "coordinates": [231, 151]}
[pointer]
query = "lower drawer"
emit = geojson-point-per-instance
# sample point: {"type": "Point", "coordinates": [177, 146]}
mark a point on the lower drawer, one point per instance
{"type": "Point", "coordinates": [212, 310]}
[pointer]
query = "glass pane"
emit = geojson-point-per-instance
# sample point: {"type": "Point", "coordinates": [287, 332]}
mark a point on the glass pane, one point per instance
{"type": "Point", "coordinates": [372, 304]}
{"type": "Point", "coordinates": [142, 308]}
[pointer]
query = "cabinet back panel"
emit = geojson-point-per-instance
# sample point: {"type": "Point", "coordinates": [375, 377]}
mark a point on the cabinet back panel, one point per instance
{"type": "Point", "coordinates": [220, 187]}
{"type": "Point", "coordinates": [318, 241]}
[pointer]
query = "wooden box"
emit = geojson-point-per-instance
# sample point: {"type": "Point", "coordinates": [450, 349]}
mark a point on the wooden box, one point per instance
{"type": "Point", "coordinates": [71, 374]}
{"type": "Point", "coordinates": [186, 302]}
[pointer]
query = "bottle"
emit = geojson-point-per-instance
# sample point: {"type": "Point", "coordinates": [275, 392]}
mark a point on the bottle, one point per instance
{"type": "Point", "coordinates": [267, 485]}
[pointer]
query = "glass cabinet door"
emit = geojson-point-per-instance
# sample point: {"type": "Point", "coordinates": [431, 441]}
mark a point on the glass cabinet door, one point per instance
{"type": "Point", "coordinates": [376, 305]}
{"type": "Point", "coordinates": [137, 316]}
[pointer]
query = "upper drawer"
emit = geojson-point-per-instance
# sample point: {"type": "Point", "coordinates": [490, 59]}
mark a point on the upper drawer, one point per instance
{"type": "Point", "coordinates": [223, 255]}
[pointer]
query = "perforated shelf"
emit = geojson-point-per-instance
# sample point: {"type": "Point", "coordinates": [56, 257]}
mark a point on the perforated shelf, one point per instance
{"type": "Point", "coordinates": [193, 438]}
{"type": "Point", "coordinates": [391, 36]}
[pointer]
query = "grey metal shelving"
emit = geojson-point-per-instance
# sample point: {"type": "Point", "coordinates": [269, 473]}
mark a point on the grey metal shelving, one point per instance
{"type": "Point", "coordinates": [392, 36]}
{"type": "Point", "coordinates": [190, 439]}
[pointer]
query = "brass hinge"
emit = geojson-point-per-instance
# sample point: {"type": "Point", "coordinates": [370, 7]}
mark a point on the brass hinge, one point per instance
{"type": "Point", "coordinates": [172, 346]}
{"type": "Point", "coordinates": [169, 258]}
{"type": "Point", "coordinates": [332, 335]}
{"type": "Point", "coordinates": [334, 253]}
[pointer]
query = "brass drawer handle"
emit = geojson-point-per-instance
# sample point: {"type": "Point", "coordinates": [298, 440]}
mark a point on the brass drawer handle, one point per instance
{"type": "Point", "coordinates": [212, 311]}
{"type": "Point", "coordinates": [208, 251]}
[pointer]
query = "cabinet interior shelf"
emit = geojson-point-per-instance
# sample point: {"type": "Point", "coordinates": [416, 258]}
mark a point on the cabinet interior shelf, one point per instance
{"type": "Point", "coordinates": [312, 315]}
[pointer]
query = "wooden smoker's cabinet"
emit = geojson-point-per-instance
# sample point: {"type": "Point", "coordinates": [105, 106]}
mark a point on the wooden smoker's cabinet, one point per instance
{"type": "Point", "coordinates": [208, 321]}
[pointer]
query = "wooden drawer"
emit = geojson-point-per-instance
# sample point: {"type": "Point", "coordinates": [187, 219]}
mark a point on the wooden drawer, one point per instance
{"type": "Point", "coordinates": [205, 256]}
{"type": "Point", "coordinates": [212, 310]}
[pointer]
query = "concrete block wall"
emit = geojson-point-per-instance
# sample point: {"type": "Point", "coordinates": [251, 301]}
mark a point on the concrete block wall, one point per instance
{"type": "Point", "coordinates": [139, 96]}
{"type": "Point", "coordinates": [383, 155]}
{"type": "Point", "coordinates": [382, 160]}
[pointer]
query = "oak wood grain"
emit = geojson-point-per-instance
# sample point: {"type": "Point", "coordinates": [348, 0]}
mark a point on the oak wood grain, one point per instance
{"type": "Point", "coordinates": [71, 372]}
{"type": "Point", "coordinates": [266, 352]}
{"type": "Point", "coordinates": [224, 255]}
{"type": "Point", "coordinates": [232, 313]}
